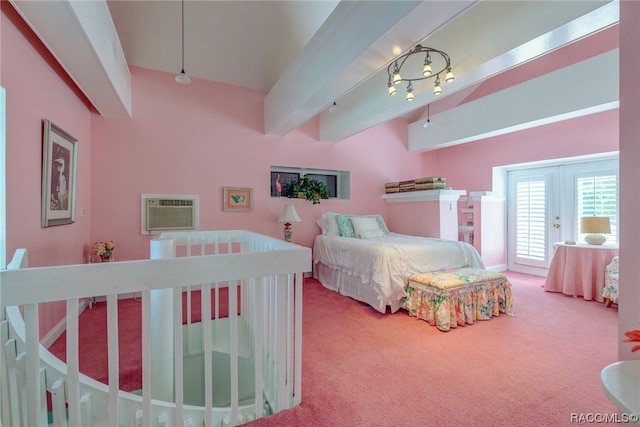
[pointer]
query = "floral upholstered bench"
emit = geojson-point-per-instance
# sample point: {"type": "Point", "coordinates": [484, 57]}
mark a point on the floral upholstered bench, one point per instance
{"type": "Point", "coordinates": [451, 298]}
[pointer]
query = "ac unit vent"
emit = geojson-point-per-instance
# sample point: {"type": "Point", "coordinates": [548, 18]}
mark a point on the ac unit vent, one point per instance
{"type": "Point", "coordinates": [164, 214]}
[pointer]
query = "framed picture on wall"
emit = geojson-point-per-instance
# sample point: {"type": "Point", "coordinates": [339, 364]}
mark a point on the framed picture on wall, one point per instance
{"type": "Point", "coordinates": [59, 165]}
{"type": "Point", "coordinates": [238, 199]}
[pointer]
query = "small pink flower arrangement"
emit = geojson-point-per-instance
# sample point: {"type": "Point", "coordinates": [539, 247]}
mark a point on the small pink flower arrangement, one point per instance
{"type": "Point", "coordinates": [633, 336]}
{"type": "Point", "coordinates": [104, 249]}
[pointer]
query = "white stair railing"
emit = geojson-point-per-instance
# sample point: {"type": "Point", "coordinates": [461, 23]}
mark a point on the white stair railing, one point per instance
{"type": "Point", "coordinates": [264, 334]}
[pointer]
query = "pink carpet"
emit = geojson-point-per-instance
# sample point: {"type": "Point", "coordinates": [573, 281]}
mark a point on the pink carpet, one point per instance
{"type": "Point", "coordinates": [93, 338]}
{"type": "Point", "coordinates": [361, 368]}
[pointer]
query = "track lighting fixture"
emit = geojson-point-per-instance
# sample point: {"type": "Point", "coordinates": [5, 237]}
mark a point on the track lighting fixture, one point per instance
{"type": "Point", "coordinates": [395, 68]}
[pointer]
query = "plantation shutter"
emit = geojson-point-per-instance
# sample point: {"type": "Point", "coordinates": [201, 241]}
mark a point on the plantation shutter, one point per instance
{"type": "Point", "coordinates": [531, 219]}
{"type": "Point", "coordinates": [598, 195]}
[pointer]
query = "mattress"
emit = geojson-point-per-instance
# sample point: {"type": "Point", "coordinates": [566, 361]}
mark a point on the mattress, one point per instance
{"type": "Point", "coordinates": [384, 264]}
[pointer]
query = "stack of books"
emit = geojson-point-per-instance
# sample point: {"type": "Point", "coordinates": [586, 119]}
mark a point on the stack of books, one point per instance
{"type": "Point", "coordinates": [392, 187]}
{"type": "Point", "coordinates": [429, 183]}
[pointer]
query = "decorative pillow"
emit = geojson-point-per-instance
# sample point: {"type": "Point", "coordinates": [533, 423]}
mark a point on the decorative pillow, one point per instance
{"type": "Point", "coordinates": [366, 227]}
{"type": "Point", "coordinates": [331, 223]}
{"type": "Point", "coordinates": [322, 223]}
{"type": "Point", "coordinates": [381, 223]}
{"type": "Point", "coordinates": [345, 226]}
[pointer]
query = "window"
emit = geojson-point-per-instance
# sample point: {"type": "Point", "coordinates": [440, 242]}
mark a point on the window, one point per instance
{"type": "Point", "coordinates": [598, 195]}
{"type": "Point", "coordinates": [337, 181]}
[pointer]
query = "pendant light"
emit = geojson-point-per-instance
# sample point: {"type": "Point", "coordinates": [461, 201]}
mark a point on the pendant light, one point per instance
{"type": "Point", "coordinates": [428, 122]}
{"type": "Point", "coordinates": [183, 77]}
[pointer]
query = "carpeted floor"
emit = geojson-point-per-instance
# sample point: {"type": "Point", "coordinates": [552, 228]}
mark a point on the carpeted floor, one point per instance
{"type": "Point", "coordinates": [361, 368]}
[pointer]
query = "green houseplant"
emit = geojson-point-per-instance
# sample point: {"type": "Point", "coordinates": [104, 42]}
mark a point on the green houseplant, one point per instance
{"type": "Point", "coordinates": [308, 188]}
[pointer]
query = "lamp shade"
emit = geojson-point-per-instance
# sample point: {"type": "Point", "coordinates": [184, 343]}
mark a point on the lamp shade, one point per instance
{"type": "Point", "coordinates": [595, 224]}
{"type": "Point", "coordinates": [289, 215]}
{"type": "Point", "coordinates": [183, 78]}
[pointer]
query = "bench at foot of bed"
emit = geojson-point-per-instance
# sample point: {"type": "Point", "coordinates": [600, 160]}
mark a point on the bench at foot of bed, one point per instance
{"type": "Point", "coordinates": [460, 296]}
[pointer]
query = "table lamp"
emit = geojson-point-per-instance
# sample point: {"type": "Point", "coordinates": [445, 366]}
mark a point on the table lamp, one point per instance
{"type": "Point", "coordinates": [288, 216]}
{"type": "Point", "coordinates": [595, 227]}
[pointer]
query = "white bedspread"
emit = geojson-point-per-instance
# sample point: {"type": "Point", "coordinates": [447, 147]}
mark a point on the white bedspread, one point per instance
{"type": "Point", "coordinates": [385, 263]}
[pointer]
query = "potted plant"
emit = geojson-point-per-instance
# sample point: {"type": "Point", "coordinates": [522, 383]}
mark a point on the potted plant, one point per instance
{"type": "Point", "coordinates": [308, 188]}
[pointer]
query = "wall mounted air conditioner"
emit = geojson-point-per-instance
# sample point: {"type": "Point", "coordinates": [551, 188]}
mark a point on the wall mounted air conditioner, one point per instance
{"type": "Point", "coordinates": [161, 212]}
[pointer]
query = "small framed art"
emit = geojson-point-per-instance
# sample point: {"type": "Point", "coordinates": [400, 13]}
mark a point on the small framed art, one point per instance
{"type": "Point", "coordinates": [59, 165]}
{"type": "Point", "coordinates": [238, 199]}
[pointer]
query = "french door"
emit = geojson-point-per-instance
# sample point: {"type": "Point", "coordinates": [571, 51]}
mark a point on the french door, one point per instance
{"type": "Point", "coordinates": [533, 218]}
{"type": "Point", "coordinates": [545, 204]}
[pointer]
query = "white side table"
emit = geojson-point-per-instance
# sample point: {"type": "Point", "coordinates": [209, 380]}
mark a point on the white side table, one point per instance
{"type": "Point", "coordinates": [621, 384]}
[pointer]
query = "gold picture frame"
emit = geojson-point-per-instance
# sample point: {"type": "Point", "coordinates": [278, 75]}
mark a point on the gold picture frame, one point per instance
{"type": "Point", "coordinates": [238, 199]}
{"type": "Point", "coordinates": [59, 166]}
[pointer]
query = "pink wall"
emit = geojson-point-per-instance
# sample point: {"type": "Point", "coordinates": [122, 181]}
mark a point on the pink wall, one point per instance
{"type": "Point", "coordinates": [470, 166]}
{"type": "Point", "coordinates": [199, 138]}
{"type": "Point", "coordinates": [37, 89]}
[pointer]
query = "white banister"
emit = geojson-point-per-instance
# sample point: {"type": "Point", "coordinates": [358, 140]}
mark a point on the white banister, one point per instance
{"type": "Point", "coordinates": [205, 310]}
{"type": "Point", "coordinates": [247, 345]}
{"type": "Point", "coordinates": [73, 362]}
{"type": "Point", "coordinates": [233, 350]}
{"type": "Point", "coordinates": [113, 361]}
{"type": "Point", "coordinates": [12, 412]}
{"type": "Point", "coordinates": [32, 366]}
{"type": "Point", "coordinates": [147, 343]}
{"type": "Point", "coordinates": [161, 329]}
{"type": "Point", "coordinates": [297, 391]}
{"type": "Point", "coordinates": [58, 401]}
{"type": "Point", "coordinates": [178, 355]}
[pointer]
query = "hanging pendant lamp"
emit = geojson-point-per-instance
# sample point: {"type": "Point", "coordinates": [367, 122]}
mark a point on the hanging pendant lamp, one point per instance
{"type": "Point", "coordinates": [182, 77]}
{"type": "Point", "coordinates": [428, 122]}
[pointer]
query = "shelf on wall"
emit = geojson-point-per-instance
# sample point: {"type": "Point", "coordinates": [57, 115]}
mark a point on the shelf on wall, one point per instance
{"type": "Point", "coordinates": [424, 196]}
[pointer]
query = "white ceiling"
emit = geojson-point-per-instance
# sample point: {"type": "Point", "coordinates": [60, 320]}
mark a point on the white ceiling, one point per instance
{"type": "Point", "coordinates": [242, 43]}
{"type": "Point", "coordinates": [308, 54]}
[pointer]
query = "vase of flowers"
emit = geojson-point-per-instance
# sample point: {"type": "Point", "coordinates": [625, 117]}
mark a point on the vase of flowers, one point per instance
{"type": "Point", "coordinates": [104, 250]}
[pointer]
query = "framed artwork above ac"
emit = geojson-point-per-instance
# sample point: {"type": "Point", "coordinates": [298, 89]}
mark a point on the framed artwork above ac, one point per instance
{"type": "Point", "coordinates": [59, 166]}
{"type": "Point", "coordinates": [238, 199]}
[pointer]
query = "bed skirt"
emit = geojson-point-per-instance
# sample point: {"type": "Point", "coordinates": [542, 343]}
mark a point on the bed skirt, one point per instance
{"type": "Point", "coordinates": [352, 286]}
{"type": "Point", "coordinates": [451, 298]}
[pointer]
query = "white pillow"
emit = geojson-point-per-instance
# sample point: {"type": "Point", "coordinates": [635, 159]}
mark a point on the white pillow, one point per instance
{"type": "Point", "coordinates": [322, 223]}
{"type": "Point", "coordinates": [366, 227]}
{"type": "Point", "coordinates": [381, 223]}
{"type": "Point", "coordinates": [331, 223]}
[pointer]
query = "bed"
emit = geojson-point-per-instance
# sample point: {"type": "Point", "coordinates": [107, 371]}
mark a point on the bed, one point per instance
{"type": "Point", "coordinates": [357, 256]}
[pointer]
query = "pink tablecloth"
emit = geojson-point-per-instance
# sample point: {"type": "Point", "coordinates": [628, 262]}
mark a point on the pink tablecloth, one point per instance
{"type": "Point", "coordinates": [578, 270]}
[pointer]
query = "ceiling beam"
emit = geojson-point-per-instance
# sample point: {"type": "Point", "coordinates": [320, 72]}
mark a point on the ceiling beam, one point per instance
{"type": "Point", "coordinates": [560, 95]}
{"type": "Point", "coordinates": [358, 39]}
{"type": "Point", "coordinates": [475, 59]}
{"type": "Point", "coordinates": [83, 39]}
